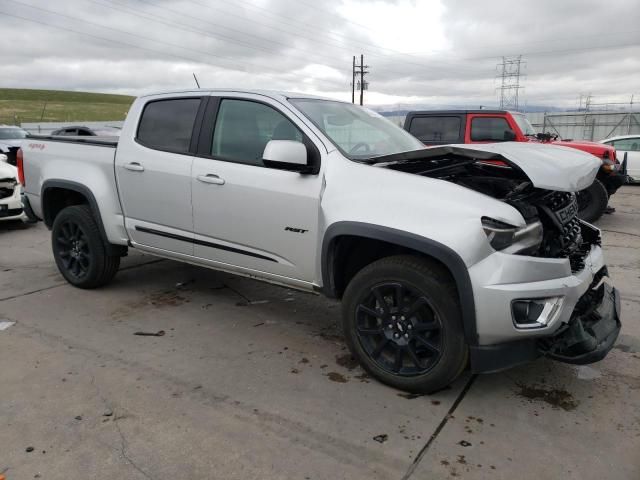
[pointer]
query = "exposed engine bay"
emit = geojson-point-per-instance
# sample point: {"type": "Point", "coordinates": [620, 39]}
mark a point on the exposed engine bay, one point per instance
{"type": "Point", "coordinates": [564, 235]}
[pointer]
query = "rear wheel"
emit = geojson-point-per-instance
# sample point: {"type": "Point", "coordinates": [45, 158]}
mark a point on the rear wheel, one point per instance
{"type": "Point", "coordinates": [402, 321]}
{"type": "Point", "coordinates": [79, 250]}
{"type": "Point", "coordinates": [592, 201]}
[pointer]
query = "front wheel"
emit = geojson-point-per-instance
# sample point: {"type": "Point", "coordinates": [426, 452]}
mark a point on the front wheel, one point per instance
{"type": "Point", "coordinates": [402, 321]}
{"type": "Point", "coordinates": [79, 250]}
{"type": "Point", "coordinates": [592, 201]}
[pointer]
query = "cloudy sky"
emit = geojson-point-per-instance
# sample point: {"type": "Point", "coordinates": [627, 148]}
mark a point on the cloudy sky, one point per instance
{"type": "Point", "coordinates": [429, 52]}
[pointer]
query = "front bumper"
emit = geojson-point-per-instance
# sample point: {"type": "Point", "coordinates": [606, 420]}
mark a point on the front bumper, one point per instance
{"type": "Point", "coordinates": [587, 338]}
{"type": "Point", "coordinates": [582, 329]}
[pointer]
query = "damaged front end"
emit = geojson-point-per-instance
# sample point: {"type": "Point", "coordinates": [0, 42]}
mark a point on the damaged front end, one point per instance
{"type": "Point", "coordinates": [592, 329]}
{"type": "Point", "coordinates": [552, 230]}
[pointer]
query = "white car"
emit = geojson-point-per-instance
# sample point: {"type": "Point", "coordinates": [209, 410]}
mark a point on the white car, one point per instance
{"type": "Point", "coordinates": [629, 145]}
{"type": "Point", "coordinates": [10, 190]}
{"type": "Point", "coordinates": [10, 140]}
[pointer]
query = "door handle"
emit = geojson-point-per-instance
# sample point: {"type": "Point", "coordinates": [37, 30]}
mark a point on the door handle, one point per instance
{"type": "Point", "coordinates": [211, 178]}
{"type": "Point", "coordinates": [134, 167]}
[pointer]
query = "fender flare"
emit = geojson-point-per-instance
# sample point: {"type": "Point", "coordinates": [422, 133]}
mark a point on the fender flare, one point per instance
{"type": "Point", "coordinates": [449, 258]}
{"type": "Point", "coordinates": [93, 205]}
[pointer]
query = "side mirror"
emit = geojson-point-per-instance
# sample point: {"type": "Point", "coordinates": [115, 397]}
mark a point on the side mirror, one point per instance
{"type": "Point", "coordinates": [509, 136]}
{"type": "Point", "coordinates": [3, 158]}
{"type": "Point", "coordinates": [286, 155]}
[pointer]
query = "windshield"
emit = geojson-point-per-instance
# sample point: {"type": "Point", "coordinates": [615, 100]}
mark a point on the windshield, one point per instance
{"type": "Point", "coordinates": [12, 133]}
{"type": "Point", "coordinates": [359, 133]}
{"type": "Point", "coordinates": [523, 123]}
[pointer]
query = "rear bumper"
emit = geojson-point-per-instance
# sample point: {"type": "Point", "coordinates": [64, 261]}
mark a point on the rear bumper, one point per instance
{"type": "Point", "coordinates": [28, 211]}
{"type": "Point", "coordinates": [587, 337]}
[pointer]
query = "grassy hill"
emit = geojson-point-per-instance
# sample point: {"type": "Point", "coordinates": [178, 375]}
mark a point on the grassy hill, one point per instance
{"type": "Point", "coordinates": [23, 105]}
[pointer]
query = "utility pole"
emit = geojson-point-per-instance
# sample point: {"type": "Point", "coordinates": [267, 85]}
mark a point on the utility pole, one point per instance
{"type": "Point", "coordinates": [509, 75]}
{"type": "Point", "coordinates": [359, 70]}
{"type": "Point", "coordinates": [353, 81]}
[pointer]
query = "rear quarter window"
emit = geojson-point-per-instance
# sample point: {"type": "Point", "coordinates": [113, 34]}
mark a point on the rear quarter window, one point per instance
{"type": "Point", "coordinates": [435, 129]}
{"type": "Point", "coordinates": [168, 124]}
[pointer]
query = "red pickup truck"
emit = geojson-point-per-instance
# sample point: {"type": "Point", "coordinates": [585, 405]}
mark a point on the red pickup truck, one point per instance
{"type": "Point", "coordinates": [440, 127]}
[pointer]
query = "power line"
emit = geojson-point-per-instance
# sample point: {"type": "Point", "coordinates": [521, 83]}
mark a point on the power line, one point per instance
{"type": "Point", "coordinates": [112, 41]}
{"type": "Point", "coordinates": [84, 21]}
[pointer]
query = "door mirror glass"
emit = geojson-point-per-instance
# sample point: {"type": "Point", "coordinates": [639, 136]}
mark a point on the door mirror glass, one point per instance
{"type": "Point", "coordinates": [286, 155]}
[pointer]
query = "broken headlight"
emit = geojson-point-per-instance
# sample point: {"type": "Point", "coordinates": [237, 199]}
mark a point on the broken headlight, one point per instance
{"type": "Point", "coordinates": [509, 239]}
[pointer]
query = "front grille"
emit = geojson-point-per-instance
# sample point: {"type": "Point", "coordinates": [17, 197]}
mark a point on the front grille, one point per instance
{"type": "Point", "coordinates": [566, 236]}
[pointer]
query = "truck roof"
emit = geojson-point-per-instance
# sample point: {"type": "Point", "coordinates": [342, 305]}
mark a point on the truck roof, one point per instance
{"type": "Point", "coordinates": [276, 94]}
{"type": "Point", "coordinates": [458, 112]}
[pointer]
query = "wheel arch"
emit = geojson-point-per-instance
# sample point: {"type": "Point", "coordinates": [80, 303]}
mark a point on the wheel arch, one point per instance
{"type": "Point", "coordinates": [405, 241]}
{"type": "Point", "coordinates": [58, 194]}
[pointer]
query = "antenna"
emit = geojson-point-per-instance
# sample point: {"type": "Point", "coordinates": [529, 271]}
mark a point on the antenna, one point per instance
{"type": "Point", "coordinates": [196, 79]}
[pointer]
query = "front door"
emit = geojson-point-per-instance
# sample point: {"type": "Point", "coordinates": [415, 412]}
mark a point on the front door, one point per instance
{"type": "Point", "coordinates": [248, 217]}
{"type": "Point", "coordinates": [154, 175]}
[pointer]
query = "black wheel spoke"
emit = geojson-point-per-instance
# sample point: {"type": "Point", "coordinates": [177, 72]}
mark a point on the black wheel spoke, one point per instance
{"type": "Point", "coordinates": [380, 347]}
{"type": "Point", "coordinates": [426, 327]}
{"type": "Point", "coordinates": [63, 241]}
{"type": "Point", "coordinates": [430, 346]}
{"type": "Point", "coordinates": [369, 331]}
{"type": "Point", "coordinates": [381, 300]}
{"type": "Point", "coordinates": [399, 292]}
{"type": "Point", "coordinates": [415, 306]}
{"type": "Point", "coordinates": [369, 311]}
{"type": "Point", "coordinates": [397, 360]}
{"type": "Point", "coordinates": [412, 355]}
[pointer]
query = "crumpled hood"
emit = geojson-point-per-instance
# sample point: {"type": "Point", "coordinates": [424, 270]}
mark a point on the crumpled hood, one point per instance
{"type": "Point", "coordinates": [7, 171]}
{"type": "Point", "coordinates": [549, 167]}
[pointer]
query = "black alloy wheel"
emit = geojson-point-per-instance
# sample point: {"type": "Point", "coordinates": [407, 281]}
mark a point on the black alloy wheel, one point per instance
{"type": "Point", "coordinates": [400, 329]}
{"type": "Point", "coordinates": [73, 249]}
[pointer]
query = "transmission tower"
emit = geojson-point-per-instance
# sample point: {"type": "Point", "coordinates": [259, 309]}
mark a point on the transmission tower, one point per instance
{"type": "Point", "coordinates": [509, 73]}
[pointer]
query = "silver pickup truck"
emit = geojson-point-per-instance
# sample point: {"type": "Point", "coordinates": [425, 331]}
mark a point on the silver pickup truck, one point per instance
{"type": "Point", "coordinates": [443, 257]}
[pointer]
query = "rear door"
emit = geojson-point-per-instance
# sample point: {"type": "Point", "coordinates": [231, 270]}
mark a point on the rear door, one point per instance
{"type": "Point", "coordinates": [437, 129]}
{"type": "Point", "coordinates": [248, 217]}
{"type": "Point", "coordinates": [153, 171]}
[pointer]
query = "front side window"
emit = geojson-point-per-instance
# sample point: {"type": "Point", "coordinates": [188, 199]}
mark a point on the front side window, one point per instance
{"type": "Point", "coordinates": [357, 132]}
{"type": "Point", "coordinates": [435, 129]}
{"type": "Point", "coordinates": [490, 129]}
{"type": "Point", "coordinates": [168, 124]}
{"type": "Point", "coordinates": [243, 128]}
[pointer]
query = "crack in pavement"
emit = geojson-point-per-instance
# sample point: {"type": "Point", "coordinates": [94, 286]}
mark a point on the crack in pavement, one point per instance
{"type": "Point", "coordinates": [620, 232]}
{"type": "Point", "coordinates": [123, 440]}
{"type": "Point", "coordinates": [439, 428]}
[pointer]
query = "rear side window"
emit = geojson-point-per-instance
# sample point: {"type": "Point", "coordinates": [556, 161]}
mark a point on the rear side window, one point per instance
{"type": "Point", "coordinates": [168, 124]}
{"type": "Point", "coordinates": [489, 129]}
{"type": "Point", "coordinates": [435, 129]}
{"type": "Point", "coordinates": [243, 129]}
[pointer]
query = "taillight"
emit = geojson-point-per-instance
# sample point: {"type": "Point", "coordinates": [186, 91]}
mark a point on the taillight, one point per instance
{"type": "Point", "coordinates": [20, 165]}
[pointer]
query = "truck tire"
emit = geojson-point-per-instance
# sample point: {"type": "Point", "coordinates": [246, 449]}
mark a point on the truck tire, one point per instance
{"type": "Point", "coordinates": [79, 250]}
{"type": "Point", "coordinates": [592, 201]}
{"type": "Point", "coordinates": [402, 322]}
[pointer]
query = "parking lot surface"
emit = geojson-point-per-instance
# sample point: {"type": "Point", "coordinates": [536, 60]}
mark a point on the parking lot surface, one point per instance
{"type": "Point", "coordinates": [254, 381]}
